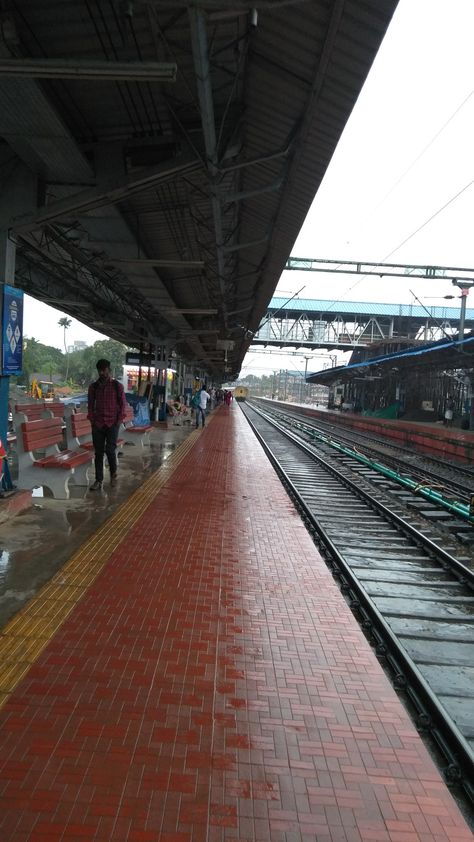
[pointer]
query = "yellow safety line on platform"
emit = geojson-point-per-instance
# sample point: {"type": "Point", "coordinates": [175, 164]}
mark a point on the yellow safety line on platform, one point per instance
{"type": "Point", "coordinates": [29, 632]}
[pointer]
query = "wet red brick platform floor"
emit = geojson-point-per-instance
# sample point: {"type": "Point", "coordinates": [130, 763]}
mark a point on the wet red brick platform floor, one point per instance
{"type": "Point", "coordinates": [212, 684]}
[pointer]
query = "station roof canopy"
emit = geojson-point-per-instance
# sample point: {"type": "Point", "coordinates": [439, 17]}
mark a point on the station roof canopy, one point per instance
{"type": "Point", "coordinates": [159, 156]}
{"type": "Point", "coordinates": [446, 354]}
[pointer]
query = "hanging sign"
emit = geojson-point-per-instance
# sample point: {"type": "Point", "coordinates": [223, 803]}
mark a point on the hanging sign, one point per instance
{"type": "Point", "coordinates": [146, 360]}
{"type": "Point", "coordinates": [12, 330]}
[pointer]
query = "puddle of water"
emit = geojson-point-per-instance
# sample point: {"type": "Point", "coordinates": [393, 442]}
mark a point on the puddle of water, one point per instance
{"type": "Point", "coordinates": [19, 596]}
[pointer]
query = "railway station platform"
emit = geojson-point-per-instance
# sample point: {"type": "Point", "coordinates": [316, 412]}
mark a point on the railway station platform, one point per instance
{"type": "Point", "coordinates": [193, 673]}
{"type": "Point", "coordinates": [445, 442]}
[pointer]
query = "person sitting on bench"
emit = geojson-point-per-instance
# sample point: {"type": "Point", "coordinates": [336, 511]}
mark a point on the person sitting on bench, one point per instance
{"type": "Point", "coordinates": [106, 410]}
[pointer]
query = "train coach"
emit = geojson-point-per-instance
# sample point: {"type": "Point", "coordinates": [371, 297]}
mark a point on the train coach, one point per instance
{"type": "Point", "coordinates": [241, 393]}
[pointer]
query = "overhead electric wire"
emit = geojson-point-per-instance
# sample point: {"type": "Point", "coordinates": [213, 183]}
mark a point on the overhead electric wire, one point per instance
{"type": "Point", "coordinates": [436, 321]}
{"type": "Point", "coordinates": [433, 216]}
{"type": "Point", "coordinates": [415, 161]}
{"type": "Point", "coordinates": [410, 236]}
{"type": "Point", "coordinates": [419, 156]}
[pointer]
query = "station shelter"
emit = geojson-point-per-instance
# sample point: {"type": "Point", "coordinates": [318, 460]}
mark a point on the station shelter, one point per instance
{"type": "Point", "coordinates": [414, 383]}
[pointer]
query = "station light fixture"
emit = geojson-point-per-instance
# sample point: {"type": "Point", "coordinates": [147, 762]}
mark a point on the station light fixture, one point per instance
{"type": "Point", "coordinates": [116, 71]}
{"type": "Point", "coordinates": [155, 263]}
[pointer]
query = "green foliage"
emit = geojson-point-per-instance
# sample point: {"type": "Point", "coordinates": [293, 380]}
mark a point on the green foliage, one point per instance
{"type": "Point", "coordinates": [264, 385]}
{"type": "Point", "coordinates": [77, 367]}
{"type": "Point", "coordinates": [40, 358]}
{"type": "Point", "coordinates": [112, 350]}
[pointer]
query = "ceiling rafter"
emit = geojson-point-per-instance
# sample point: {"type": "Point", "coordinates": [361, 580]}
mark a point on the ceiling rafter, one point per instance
{"type": "Point", "coordinates": [235, 207]}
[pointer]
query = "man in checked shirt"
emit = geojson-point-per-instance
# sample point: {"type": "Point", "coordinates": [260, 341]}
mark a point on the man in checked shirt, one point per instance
{"type": "Point", "coordinates": [106, 411]}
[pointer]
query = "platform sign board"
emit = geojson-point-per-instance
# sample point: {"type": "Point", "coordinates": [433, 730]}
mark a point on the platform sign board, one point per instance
{"type": "Point", "coordinates": [146, 360]}
{"type": "Point", "coordinates": [12, 330]}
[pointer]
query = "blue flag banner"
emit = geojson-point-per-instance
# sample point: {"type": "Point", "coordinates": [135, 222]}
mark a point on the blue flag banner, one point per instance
{"type": "Point", "coordinates": [12, 330]}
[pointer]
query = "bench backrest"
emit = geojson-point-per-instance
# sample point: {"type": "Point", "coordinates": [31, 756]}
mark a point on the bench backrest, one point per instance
{"type": "Point", "coordinates": [80, 424]}
{"type": "Point", "coordinates": [33, 411]}
{"type": "Point", "coordinates": [36, 410]}
{"type": "Point", "coordinates": [56, 408]}
{"type": "Point", "coordinates": [37, 435]}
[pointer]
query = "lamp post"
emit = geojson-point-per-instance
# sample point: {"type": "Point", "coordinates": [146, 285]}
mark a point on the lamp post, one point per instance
{"type": "Point", "coordinates": [464, 286]}
{"type": "Point", "coordinates": [305, 387]}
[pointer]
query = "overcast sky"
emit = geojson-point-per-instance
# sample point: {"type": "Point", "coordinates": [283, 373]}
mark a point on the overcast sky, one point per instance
{"type": "Point", "coordinates": [405, 155]}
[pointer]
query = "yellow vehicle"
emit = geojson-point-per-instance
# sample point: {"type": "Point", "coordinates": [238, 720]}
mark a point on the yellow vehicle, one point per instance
{"type": "Point", "coordinates": [42, 389]}
{"type": "Point", "coordinates": [241, 393]}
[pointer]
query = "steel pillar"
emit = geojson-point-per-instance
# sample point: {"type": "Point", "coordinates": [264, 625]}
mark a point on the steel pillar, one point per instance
{"type": "Point", "coordinates": [7, 276]}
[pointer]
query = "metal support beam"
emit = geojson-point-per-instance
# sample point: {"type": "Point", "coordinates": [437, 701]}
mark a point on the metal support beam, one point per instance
{"type": "Point", "coordinates": [193, 311]}
{"type": "Point", "coordinates": [7, 276]}
{"type": "Point", "coordinates": [250, 244]}
{"type": "Point", "coordinates": [203, 81]}
{"type": "Point", "coordinates": [87, 200]}
{"type": "Point", "coordinates": [231, 198]}
{"type": "Point", "coordinates": [397, 270]}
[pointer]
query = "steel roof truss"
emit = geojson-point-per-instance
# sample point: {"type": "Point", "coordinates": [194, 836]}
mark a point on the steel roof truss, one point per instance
{"type": "Point", "coordinates": [115, 191]}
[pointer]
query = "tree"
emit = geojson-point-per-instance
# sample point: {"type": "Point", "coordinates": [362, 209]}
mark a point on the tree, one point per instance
{"type": "Point", "coordinates": [65, 323]}
{"type": "Point", "coordinates": [112, 350]}
{"type": "Point", "coordinates": [39, 358]}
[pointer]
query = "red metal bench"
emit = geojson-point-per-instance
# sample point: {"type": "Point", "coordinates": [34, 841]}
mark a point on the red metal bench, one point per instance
{"type": "Point", "coordinates": [50, 466]}
{"type": "Point", "coordinates": [131, 431]}
{"type": "Point", "coordinates": [56, 408]}
{"type": "Point", "coordinates": [36, 410]}
{"type": "Point", "coordinates": [33, 411]}
{"type": "Point", "coordinates": [79, 433]}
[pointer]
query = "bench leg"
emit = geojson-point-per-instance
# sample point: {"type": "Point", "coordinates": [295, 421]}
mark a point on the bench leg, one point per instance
{"type": "Point", "coordinates": [81, 475]}
{"type": "Point", "coordinates": [57, 482]}
{"type": "Point", "coordinates": [135, 438]}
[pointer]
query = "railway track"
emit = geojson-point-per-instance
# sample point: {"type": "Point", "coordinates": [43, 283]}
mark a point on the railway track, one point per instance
{"type": "Point", "coordinates": [460, 478]}
{"type": "Point", "coordinates": [441, 499]}
{"type": "Point", "coordinates": [414, 598]}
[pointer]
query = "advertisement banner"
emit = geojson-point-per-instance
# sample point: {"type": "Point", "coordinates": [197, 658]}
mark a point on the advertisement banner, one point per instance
{"type": "Point", "coordinates": [12, 330]}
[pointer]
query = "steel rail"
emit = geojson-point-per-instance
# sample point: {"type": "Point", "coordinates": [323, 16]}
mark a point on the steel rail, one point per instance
{"type": "Point", "coordinates": [457, 567]}
{"type": "Point", "coordinates": [455, 467]}
{"type": "Point", "coordinates": [416, 486]}
{"type": "Point", "coordinates": [432, 715]}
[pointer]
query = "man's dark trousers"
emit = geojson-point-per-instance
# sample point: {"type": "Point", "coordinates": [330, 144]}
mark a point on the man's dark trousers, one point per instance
{"type": "Point", "coordinates": [105, 441]}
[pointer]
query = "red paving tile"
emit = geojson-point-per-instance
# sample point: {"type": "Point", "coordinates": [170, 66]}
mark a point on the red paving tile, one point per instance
{"type": "Point", "coordinates": [213, 685]}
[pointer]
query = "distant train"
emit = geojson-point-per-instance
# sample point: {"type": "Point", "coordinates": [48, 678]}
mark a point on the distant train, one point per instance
{"type": "Point", "coordinates": [241, 393]}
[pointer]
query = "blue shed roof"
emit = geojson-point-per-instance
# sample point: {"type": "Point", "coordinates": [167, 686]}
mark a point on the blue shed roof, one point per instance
{"type": "Point", "coordinates": [446, 346]}
{"type": "Point", "coordinates": [321, 307]}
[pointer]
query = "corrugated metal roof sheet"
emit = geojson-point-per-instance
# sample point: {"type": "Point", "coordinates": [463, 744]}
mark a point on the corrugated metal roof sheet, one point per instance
{"type": "Point", "coordinates": [281, 95]}
{"type": "Point", "coordinates": [327, 309]}
{"type": "Point", "coordinates": [446, 353]}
